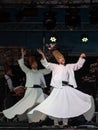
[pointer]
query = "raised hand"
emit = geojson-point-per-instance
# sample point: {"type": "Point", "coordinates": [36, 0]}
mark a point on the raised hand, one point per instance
{"type": "Point", "coordinates": [83, 55]}
{"type": "Point", "coordinates": [23, 52]}
{"type": "Point", "coordinates": [41, 52]}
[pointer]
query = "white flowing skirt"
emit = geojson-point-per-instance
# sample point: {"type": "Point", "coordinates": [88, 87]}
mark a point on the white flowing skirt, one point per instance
{"type": "Point", "coordinates": [66, 103]}
{"type": "Point", "coordinates": [32, 97]}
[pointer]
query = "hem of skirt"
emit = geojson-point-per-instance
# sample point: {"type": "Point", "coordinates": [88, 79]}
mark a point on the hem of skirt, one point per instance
{"type": "Point", "coordinates": [63, 116]}
{"type": "Point", "coordinates": [10, 117]}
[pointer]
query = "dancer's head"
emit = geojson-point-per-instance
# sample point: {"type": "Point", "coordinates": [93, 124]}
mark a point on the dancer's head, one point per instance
{"type": "Point", "coordinates": [33, 62]}
{"type": "Point", "coordinates": [58, 56]}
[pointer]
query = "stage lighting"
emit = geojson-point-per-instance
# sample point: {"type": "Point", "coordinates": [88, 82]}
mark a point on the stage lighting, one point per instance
{"type": "Point", "coordinates": [53, 39]}
{"type": "Point", "coordinates": [84, 38]}
{"type": "Point", "coordinates": [72, 18]}
{"type": "Point", "coordinates": [50, 20]}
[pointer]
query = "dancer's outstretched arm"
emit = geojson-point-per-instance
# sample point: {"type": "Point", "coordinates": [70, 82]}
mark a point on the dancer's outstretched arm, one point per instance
{"type": "Point", "coordinates": [44, 62]}
{"type": "Point", "coordinates": [21, 61]}
{"type": "Point", "coordinates": [80, 62]}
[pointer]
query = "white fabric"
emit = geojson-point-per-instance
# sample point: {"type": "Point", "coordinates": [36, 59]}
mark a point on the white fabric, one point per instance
{"type": "Point", "coordinates": [33, 76]}
{"type": "Point", "coordinates": [90, 113]}
{"type": "Point", "coordinates": [9, 82]}
{"type": "Point", "coordinates": [32, 96]}
{"type": "Point", "coordinates": [59, 71]}
{"type": "Point", "coordinates": [64, 101]}
{"type": "Point", "coordinates": [57, 120]}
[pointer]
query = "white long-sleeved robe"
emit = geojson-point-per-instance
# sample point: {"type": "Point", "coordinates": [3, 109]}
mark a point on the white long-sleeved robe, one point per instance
{"type": "Point", "coordinates": [32, 95]}
{"type": "Point", "coordinates": [65, 101]}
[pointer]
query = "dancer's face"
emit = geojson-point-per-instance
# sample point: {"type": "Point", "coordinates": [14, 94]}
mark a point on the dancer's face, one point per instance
{"type": "Point", "coordinates": [61, 60]}
{"type": "Point", "coordinates": [34, 65]}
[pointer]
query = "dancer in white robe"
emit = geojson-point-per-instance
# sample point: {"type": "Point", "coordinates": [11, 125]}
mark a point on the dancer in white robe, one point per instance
{"type": "Point", "coordinates": [64, 101]}
{"type": "Point", "coordinates": [33, 95]}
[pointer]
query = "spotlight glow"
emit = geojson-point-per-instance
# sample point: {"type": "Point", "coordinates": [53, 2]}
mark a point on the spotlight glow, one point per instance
{"type": "Point", "coordinates": [53, 39]}
{"type": "Point", "coordinates": [84, 39]}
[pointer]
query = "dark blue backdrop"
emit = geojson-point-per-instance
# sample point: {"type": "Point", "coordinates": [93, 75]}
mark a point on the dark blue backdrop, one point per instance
{"type": "Point", "coordinates": [28, 33]}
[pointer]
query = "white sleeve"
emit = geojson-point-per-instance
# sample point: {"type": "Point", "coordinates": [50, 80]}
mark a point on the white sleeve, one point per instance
{"type": "Point", "coordinates": [78, 65]}
{"type": "Point", "coordinates": [47, 64]}
{"type": "Point", "coordinates": [45, 71]}
{"type": "Point", "coordinates": [22, 66]}
{"type": "Point", "coordinates": [9, 82]}
{"type": "Point", "coordinates": [43, 83]}
{"type": "Point", "coordinates": [10, 85]}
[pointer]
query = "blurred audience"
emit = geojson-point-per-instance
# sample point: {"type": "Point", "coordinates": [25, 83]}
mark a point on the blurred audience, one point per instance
{"type": "Point", "coordinates": [11, 90]}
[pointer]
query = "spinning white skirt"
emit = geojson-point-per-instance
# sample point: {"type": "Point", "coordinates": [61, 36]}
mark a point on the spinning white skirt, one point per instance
{"type": "Point", "coordinates": [32, 97]}
{"type": "Point", "coordinates": [66, 103]}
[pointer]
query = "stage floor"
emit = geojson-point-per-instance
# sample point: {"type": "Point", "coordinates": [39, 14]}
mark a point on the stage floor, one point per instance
{"type": "Point", "coordinates": [25, 126]}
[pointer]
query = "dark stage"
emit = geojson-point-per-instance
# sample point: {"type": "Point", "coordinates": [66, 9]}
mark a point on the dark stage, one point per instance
{"type": "Point", "coordinates": [77, 123]}
{"type": "Point", "coordinates": [25, 126]}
